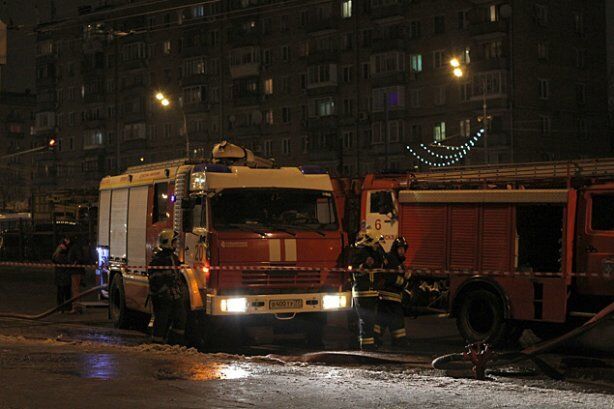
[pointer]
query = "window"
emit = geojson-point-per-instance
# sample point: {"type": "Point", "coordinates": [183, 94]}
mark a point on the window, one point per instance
{"type": "Point", "coordinates": [325, 107]}
{"type": "Point", "coordinates": [541, 14]}
{"type": "Point", "coordinates": [387, 62]}
{"type": "Point", "coordinates": [194, 95]}
{"type": "Point", "coordinates": [602, 212]}
{"type": "Point", "coordinates": [348, 73]}
{"type": "Point", "coordinates": [545, 125]}
{"type": "Point", "coordinates": [493, 13]}
{"type": "Point", "coordinates": [198, 11]}
{"type": "Point", "coordinates": [347, 41]}
{"type": "Point", "coordinates": [440, 24]}
{"type": "Point", "coordinates": [166, 47]}
{"type": "Point", "coordinates": [415, 97]}
{"type": "Point", "coordinates": [579, 23]}
{"type": "Point", "coordinates": [135, 131]}
{"type": "Point", "coordinates": [303, 81]}
{"type": "Point", "coordinates": [284, 23]}
{"type": "Point", "coordinates": [416, 62]}
{"type": "Point", "coordinates": [285, 146]}
{"type": "Point", "coordinates": [395, 132]}
{"type": "Point", "coordinates": [346, 9]}
{"type": "Point", "coordinates": [194, 66]}
{"type": "Point", "coordinates": [544, 89]}
{"type": "Point", "coordinates": [366, 70]}
{"type": "Point", "coordinates": [440, 95]}
{"type": "Point", "coordinates": [494, 82]}
{"type": "Point", "coordinates": [582, 128]}
{"type": "Point", "coordinates": [285, 84]}
{"type": "Point", "coordinates": [416, 133]}
{"type": "Point", "coordinates": [394, 98]}
{"type": "Point", "coordinates": [542, 50]}
{"type": "Point", "coordinates": [285, 53]}
{"type": "Point", "coordinates": [580, 58]}
{"type": "Point", "coordinates": [439, 131]}
{"type": "Point", "coordinates": [348, 106]}
{"type": "Point", "coordinates": [493, 50]}
{"type": "Point", "coordinates": [268, 86]}
{"type": "Point", "coordinates": [348, 140]}
{"type": "Point", "coordinates": [93, 138]}
{"type": "Point", "coordinates": [268, 117]}
{"type": "Point", "coordinates": [465, 128]}
{"type": "Point", "coordinates": [305, 144]}
{"type": "Point", "coordinates": [437, 59]}
{"type": "Point", "coordinates": [415, 30]}
{"type": "Point", "coordinates": [462, 20]}
{"type": "Point", "coordinates": [160, 205]}
{"type": "Point", "coordinates": [285, 114]}
{"type": "Point", "coordinates": [268, 148]}
{"type": "Point", "coordinates": [318, 75]}
{"type": "Point", "coordinates": [581, 93]}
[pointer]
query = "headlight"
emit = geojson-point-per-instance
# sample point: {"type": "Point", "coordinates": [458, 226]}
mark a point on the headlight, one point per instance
{"type": "Point", "coordinates": [234, 305]}
{"type": "Point", "coordinates": [331, 302]}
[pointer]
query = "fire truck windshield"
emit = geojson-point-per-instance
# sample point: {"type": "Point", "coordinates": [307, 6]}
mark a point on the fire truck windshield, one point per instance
{"type": "Point", "coordinates": [275, 209]}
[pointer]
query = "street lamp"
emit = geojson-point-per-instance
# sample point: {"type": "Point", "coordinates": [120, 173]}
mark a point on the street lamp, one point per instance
{"type": "Point", "coordinates": [165, 102]}
{"type": "Point", "coordinates": [458, 72]}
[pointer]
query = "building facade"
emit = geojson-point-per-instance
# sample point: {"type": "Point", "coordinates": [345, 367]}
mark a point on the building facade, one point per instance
{"type": "Point", "coordinates": [348, 84]}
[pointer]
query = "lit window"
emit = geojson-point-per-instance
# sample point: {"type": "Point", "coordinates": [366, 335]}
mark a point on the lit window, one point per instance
{"type": "Point", "coordinates": [493, 14]}
{"type": "Point", "coordinates": [416, 62]}
{"type": "Point", "coordinates": [166, 47]}
{"type": "Point", "coordinates": [268, 86]}
{"type": "Point", "coordinates": [439, 131]}
{"type": "Point", "coordinates": [346, 9]}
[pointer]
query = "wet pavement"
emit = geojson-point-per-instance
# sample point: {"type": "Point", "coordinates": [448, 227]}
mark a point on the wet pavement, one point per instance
{"type": "Point", "coordinates": [75, 361]}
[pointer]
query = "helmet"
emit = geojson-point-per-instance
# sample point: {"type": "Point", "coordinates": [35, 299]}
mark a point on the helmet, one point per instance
{"type": "Point", "coordinates": [166, 239]}
{"type": "Point", "coordinates": [399, 242]}
{"type": "Point", "coordinates": [368, 238]}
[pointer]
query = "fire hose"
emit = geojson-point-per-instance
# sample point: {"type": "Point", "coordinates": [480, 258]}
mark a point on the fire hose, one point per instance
{"type": "Point", "coordinates": [480, 356]}
{"type": "Point", "coordinates": [54, 309]}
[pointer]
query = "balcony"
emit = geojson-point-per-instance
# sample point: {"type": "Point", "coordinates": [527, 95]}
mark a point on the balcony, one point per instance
{"type": "Point", "coordinates": [322, 123]}
{"type": "Point", "coordinates": [248, 130]}
{"type": "Point", "coordinates": [494, 64]}
{"type": "Point", "coordinates": [389, 78]}
{"type": "Point", "coordinates": [323, 25]}
{"type": "Point", "coordinates": [136, 64]}
{"type": "Point", "coordinates": [247, 100]}
{"type": "Point", "coordinates": [197, 107]}
{"type": "Point", "coordinates": [244, 39]}
{"type": "Point", "coordinates": [488, 28]}
{"type": "Point", "coordinates": [389, 12]}
{"type": "Point", "coordinates": [323, 56]}
{"type": "Point", "coordinates": [388, 44]}
{"type": "Point", "coordinates": [196, 79]}
{"type": "Point", "coordinates": [245, 70]}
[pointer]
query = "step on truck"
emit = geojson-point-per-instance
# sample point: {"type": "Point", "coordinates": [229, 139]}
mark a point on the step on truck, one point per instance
{"type": "Point", "coordinates": [503, 248]}
{"type": "Point", "coordinates": [256, 242]}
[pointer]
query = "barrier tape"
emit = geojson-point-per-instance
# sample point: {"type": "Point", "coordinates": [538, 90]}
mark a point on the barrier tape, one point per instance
{"type": "Point", "coordinates": [414, 272]}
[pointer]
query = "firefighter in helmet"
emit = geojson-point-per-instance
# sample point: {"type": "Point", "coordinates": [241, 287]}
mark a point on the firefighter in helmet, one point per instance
{"type": "Point", "coordinates": [166, 292]}
{"type": "Point", "coordinates": [367, 257]}
{"type": "Point", "coordinates": [390, 285]}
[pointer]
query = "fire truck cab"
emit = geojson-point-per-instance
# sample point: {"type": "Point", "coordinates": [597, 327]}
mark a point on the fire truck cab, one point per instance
{"type": "Point", "coordinates": [254, 239]}
{"type": "Point", "coordinates": [506, 247]}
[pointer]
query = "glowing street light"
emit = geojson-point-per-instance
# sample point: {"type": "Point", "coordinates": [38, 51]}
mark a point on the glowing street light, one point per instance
{"type": "Point", "coordinates": [458, 72]}
{"type": "Point", "coordinates": [455, 63]}
{"type": "Point", "coordinates": [165, 102]}
{"type": "Point", "coordinates": [160, 96]}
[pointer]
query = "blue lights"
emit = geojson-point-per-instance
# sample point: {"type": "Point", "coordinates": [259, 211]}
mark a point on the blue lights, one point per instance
{"type": "Point", "coordinates": [212, 167]}
{"type": "Point", "coordinates": [312, 170]}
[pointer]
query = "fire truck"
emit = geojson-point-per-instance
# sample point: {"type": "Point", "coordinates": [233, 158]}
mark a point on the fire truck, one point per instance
{"type": "Point", "coordinates": [255, 240]}
{"type": "Point", "coordinates": [503, 248]}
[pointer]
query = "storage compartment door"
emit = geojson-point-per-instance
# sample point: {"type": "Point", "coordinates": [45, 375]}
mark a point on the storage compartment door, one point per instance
{"type": "Point", "coordinates": [103, 218]}
{"type": "Point", "coordinates": [137, 220]}
{"type": "Point", "coordinates": [119, 223]}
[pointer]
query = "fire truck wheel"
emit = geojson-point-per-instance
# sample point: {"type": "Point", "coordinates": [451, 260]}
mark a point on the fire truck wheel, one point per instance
{"type": "Point", "coordinates": [480, 317]}
{"type": "Point", "coordinates": [314, 329]}
{"type": "Point", "coordinates": [119, 314]}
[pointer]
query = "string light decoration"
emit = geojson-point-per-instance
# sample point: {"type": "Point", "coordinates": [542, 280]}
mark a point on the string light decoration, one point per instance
{"type": "Point", "coordinates": [450, 159]}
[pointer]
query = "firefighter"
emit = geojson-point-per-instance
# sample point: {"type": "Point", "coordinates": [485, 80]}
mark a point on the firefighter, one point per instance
{"type": "Point", "coordinates": [367, 257]}
{"type": "Point", "coordinates": [166, 292]}
{"type": "Point", "coordinates": [390, 313]}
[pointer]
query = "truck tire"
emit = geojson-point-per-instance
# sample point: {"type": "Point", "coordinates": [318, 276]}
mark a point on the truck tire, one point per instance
{"type": "Point", "coordinates": [480, 317]}
{"type": "Point", "coordinates": [198, 325]}
{"type": "Point", "coordinates": [118, 313]}
{"type": "Point", "coordinates": [314, 324]}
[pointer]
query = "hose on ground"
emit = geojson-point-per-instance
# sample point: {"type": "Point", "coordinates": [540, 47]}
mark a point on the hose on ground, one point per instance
{"type": "Point", "coordinates": [462, 361]}
{"type": "Point", "coordinates": [54, 309]}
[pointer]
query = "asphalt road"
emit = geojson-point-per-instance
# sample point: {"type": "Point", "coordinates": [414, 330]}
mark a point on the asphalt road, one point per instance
{"type": "Point", "coordinates": [74, 361]}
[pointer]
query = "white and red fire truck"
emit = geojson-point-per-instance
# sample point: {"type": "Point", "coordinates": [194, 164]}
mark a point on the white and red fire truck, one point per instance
{"type": "Point", "coordinates": [505, 247]}
{"type": "Point", "coordinates": [254, 239]}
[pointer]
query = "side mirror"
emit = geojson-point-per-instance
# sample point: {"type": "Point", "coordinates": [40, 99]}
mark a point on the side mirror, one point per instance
{"type": "Point", "coordinates": [187, 210]}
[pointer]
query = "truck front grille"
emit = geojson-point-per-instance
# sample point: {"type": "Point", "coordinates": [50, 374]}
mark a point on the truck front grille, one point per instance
{"type": "Point", "coordinates": [277, 278]}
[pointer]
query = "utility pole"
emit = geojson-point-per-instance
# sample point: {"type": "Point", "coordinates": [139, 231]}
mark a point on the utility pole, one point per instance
{"type": "Point", "coordinates": [116, 99]}
{"type": "Point", "coordinates": [484, 120]}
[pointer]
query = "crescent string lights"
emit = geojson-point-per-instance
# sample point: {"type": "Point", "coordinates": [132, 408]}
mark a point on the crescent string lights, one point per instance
{"type": "Point", "coordinates": [435, 159]}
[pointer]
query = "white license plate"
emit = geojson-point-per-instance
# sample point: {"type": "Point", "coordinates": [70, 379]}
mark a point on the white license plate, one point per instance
{"type": "Point", "coordinates": [285, 304]}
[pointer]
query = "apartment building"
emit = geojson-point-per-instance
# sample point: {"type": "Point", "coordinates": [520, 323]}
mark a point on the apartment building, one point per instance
{"type": "Point", "coordinates": [346, 84]}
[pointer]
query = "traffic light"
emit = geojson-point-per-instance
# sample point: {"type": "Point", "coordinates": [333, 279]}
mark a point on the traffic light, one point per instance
{"type": "Point", "coordinates": [51, 144]}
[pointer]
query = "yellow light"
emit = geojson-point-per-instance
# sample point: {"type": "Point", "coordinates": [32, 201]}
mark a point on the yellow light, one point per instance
{"type": "Point", "coordinates": [455, 63]}
{"type": "Point", "coordinates": [160, 96]}
{"type": "Point", "coordinates": [458, 72]}
{"type": "Point", "coordinates": [234, 305]}
{"type": "Point", "coordinates": [142, 159]}
{"type": "Point", "coordinates": [333, 302]}
{"type": "Point", "coordinates": [165, 102]}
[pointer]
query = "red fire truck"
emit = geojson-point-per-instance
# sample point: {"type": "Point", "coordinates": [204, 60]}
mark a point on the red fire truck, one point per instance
{"type": "Point", "coordinates": [502, 248]}
{"type": "Point", "coordinates": [256, 240]}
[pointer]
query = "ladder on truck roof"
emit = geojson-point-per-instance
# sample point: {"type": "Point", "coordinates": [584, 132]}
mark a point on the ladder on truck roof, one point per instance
{"type": "Point", "coordinates": [174, 163]}
{"type": "Point", "coordinates": [585, 168]}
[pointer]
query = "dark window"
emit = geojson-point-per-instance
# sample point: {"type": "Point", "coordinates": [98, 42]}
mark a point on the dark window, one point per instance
{"type": "Point", "coordinates": [602, 214]}
{"type": "Point", "coordinates": [381, 202]}
{"type": "Point", "coordinates": [440, 24]}
{"type": "Point", "coordinates": [160, 209]}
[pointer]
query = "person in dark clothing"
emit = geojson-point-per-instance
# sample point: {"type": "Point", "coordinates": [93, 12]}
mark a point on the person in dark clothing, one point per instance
{"type": "Point", "coordinates": [77, 255]}
{"type": "Point", "coordinates": [166, 292]}
{"type": "Point", "coordinates": [390, 313]}
{"type": "Point", "coordinates": [366, 258]}
{"type": "Point", "coordinates": [62, 273]}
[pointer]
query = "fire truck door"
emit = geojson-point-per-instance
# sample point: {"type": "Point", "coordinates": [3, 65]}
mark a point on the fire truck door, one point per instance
{"type": "Point", "coordinates": [595, 243]}
{"type": "Point", "coordinates": [382, 215]}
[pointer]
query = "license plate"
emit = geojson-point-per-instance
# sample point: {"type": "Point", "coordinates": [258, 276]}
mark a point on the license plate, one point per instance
{"type": "Point", "coordinates": [285, 304]}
